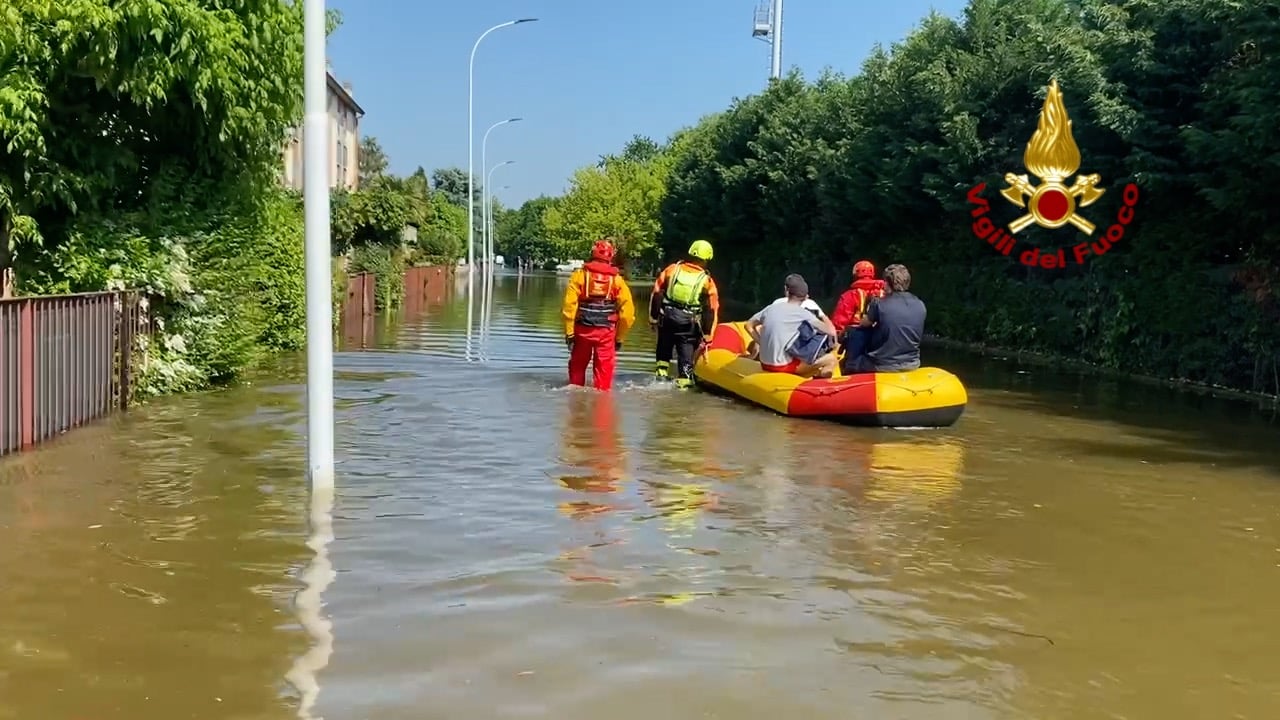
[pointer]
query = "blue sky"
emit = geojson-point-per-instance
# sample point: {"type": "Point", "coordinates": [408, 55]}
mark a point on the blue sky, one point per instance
{"type": "Point", "coordinates": [585, 78]}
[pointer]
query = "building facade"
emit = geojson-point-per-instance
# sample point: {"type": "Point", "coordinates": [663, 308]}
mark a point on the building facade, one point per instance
{"type": "Point", "coordinates": [343, 142]}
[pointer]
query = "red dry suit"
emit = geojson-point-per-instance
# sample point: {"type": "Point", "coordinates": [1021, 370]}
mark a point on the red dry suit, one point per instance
{"type": "Point", "coordinates": [853, 303]}
{"type": "Point", "coordinates": [598, 312]}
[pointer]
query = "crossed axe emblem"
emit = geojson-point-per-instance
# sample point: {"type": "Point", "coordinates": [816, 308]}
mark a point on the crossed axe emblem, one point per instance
{"type": "Point", "coordinates": [1025, 195]}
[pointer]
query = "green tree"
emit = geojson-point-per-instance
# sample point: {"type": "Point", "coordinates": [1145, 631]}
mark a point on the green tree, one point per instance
{"type": "Point", "coordinates": [373, 160]}
{"type": "Point", "coordinates": [452, 183]}
{"type": "Point", "coordinates": [443, 235]}
{"type": "Point", "coordinates": [521, 233]}
{"type": "Point", "coordinates": [100, 101]}
{"type": "Point", "coordinates": [621, 200]}
{"type": "Point", "coordinates": [373, 215]}
{"type": "Point", "coordinates": [140, 147]}
{"type": "Point", "coordinates": [1179, 97]}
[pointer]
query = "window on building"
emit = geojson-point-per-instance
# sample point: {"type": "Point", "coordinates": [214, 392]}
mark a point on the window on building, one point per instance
{"type": "Point", "coordinates": [342, 159]}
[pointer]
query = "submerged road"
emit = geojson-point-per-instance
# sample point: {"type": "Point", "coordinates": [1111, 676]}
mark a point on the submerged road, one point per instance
{"type": "Point", "coordinates": [507, 548]}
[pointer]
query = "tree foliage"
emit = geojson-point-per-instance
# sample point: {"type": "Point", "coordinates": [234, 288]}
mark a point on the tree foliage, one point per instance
{"type": "Point", "coordinates": [1177, 96]}
{"type": "Point", "coordinates": [520, 233]}
{"type": "Point", "coordinates": [140, 146]}
{"type": "Point", "coordinates": [619, 198]}
{"type": "Point", "coordinates": [372, 160]}
{"type": "Point", "coordinates": [452, 183]}
{"type": "Point", "coordinates": [370, 222]}
{"type": "Point", "coordinates": [378, 211]}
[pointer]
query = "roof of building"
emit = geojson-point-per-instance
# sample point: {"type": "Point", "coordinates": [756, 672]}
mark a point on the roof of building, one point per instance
{"type": "Point", "coordinates": [343, 93]}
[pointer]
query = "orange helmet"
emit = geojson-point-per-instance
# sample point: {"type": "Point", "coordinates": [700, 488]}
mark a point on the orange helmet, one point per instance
{"type": "Point", "coordinates": [602, 250]}
{"type": "Point", "coordinates": [864, 269]}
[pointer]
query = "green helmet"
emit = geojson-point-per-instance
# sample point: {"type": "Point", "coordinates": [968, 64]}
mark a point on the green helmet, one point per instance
{"type": "Point", "coordinates": [700, 249]}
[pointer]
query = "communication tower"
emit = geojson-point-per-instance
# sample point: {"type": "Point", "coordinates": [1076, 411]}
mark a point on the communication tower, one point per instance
{"type": "Point", "coordinates": [768, 27]}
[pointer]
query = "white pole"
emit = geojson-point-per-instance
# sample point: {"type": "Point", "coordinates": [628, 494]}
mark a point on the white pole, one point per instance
{"type": "Point", "coordinates": [489, 213]}
{"type": "Point", "coordinates": [484, 191]}
{"type": "Point", "coordinates": [486, 294]}
{"type": "Point", "coordinates": [471, 159]}
{"type": "Point", "coordinates": [776, 37]}
{"type": "Point", "coordinates": [319, 275]}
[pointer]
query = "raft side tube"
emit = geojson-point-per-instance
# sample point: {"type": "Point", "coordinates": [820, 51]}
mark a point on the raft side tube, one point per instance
{"type": "Point", "coordinates": [926, 397]}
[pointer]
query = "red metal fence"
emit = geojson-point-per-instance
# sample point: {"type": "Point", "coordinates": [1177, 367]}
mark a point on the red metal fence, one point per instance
{"type": "Point", "coordinates": [424, 286]}
{"type": "Point", "coordinates": [64, 360]}
{"type": "Point", "coordinates": [357, 311]}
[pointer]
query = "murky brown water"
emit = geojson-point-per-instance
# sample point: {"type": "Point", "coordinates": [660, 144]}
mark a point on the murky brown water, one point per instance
{"type": "Point", "coordinates": [505, 548]}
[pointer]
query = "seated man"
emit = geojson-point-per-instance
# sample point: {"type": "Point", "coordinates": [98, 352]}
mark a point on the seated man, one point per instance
{"type": "Point", "coordinates": [790, 338]}
{"type": "Point", "coordinates": [808, 304]}
{"type": "Point", "coordinates": [897, 325]}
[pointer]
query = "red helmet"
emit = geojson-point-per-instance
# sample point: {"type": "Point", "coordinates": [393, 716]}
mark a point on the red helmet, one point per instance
{"type": "Point", "coordinates": [602, 250]}
{"type": "Point", "coordinates": [864, 269]}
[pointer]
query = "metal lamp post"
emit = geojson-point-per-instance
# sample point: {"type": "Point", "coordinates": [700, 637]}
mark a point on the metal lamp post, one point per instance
{"type": "Point", "coordinates": [484, 191]}
{"type": "Point", "coordinates": [471, 159]}
{"type": "Point", "coordinates": [488, 274]}
{"type": "Point", "coordinates": [319, 294]}
{"type": "Point", "coordinates": [488, 179]}
{"type": "Point", "coordinates": [319, 282]}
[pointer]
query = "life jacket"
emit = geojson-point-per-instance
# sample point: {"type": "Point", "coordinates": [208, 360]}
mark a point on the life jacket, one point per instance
{"type": "Point", "coordinates": [598, 299]}
{"type": "Point", "coordinates": [866, 289]}
{"type": "Point", "coordinates": [685, 287]}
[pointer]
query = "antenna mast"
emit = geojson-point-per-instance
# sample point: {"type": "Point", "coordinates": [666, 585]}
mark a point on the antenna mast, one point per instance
{"type": "Point", "coordinates": [768, 27]}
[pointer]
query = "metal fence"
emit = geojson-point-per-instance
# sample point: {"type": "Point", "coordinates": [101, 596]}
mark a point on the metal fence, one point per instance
{"type": "Point", "coordinates": [357, 311]}
{"type": "Point", "coordinates": [425, 286]}
{"type": "Point", "coordinates": [64, 360]}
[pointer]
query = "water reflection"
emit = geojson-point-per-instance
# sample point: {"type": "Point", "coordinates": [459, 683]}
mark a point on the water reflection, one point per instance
{"type": "Point", "coordinates": [592, 445]}
{"type": "Point", "coordinates": [914, 472]}
{"type": "Point", "coordinates": [147, 561]}
{"type": "Point", "coordinates": [469, 279]}
{"type": "Point", "coordinates": [512, 549]}
{"type": "Point", "coordinates": [308, 603]}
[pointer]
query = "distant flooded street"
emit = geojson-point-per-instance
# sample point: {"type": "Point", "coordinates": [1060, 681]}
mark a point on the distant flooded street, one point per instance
{"type": "Point", "coordinates": [507, 548]}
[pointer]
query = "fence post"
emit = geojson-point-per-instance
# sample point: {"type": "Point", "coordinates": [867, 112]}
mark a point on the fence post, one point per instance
{"type": "Point", "coordinates": [26, 374]}
{"type": "Point", "coordinates": [127, 322]}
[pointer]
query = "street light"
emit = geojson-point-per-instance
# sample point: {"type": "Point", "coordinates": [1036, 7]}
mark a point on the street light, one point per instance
{"type": "Point", "coordinates": [319, 322]}
{"type": "Point", "coordinates": [319, 282]}
{"type": "Point", "coordinates": [471, 159]}
{"type": "Point", "coordinates": [485, 310]}
{"type": "Point", "coordinates": [488, 179]}
{"type": "Point", "coordinates": [488, 274]}
{"type": "Point", "coordinates": [484, 200]}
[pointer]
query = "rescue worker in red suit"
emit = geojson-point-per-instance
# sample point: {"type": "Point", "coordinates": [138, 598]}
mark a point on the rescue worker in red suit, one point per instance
{"type": "Point", "coordinates": [598, 313]}
{"type": "Point", "coordinates": [853, 303]}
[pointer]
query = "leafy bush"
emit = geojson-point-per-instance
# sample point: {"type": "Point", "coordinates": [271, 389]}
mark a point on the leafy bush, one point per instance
{"type": "Point", "coordinates": [387, 266]}
{"type": "Point", "coordinates": [1179, 97]}
{"type": "Point", "coordinates": [224, 289]}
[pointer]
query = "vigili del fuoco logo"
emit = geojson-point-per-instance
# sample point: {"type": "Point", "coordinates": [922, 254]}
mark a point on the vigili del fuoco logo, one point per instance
{"type": "Point", "coordinates": [1052, 157]}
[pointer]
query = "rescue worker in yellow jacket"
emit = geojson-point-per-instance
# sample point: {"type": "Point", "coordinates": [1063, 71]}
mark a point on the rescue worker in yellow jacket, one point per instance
{"type": "Point", "coordinates": [598, 311]}
{"type": "Point", "coordinates": [685, 308]}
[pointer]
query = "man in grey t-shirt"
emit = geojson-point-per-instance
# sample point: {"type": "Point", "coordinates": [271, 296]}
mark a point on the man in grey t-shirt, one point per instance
{"type": "Point", "coordinates": [781, 331]}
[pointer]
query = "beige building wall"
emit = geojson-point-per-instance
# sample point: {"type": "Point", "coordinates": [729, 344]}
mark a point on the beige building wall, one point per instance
{"type": "Point", "coordinates": [343, 142]}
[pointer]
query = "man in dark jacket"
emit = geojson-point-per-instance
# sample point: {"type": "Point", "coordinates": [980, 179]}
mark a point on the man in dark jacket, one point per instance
{"type": "Point", "coordinates": [897, 326]}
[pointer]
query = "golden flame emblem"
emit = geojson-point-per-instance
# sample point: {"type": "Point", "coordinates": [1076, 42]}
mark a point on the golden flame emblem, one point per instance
{"type": "Point", "coordinates": [1052, 156]}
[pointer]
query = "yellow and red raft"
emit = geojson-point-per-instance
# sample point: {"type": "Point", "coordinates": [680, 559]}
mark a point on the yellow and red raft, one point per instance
{"type": "Point", "coordinates": [927, 397]}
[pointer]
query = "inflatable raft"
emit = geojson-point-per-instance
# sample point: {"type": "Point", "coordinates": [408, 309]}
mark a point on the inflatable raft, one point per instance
{"type": "Point", "coordinates": [927, 397]}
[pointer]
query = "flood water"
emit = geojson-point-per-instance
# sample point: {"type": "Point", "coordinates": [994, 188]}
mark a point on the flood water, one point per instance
{"type": "Point", "coordinates": [506, 548]}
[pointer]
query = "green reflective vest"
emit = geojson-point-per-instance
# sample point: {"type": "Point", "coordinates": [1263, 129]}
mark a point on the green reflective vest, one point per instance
{"type": "Point", "coordinates": [684, 288]}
